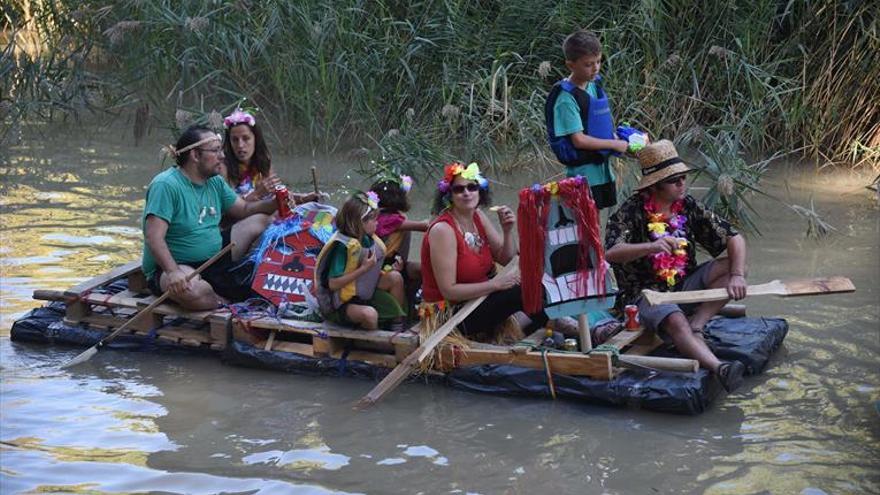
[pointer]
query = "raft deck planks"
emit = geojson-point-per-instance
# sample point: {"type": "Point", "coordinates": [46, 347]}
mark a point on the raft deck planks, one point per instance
{"type": "Point", "coordinates": [324, 339]}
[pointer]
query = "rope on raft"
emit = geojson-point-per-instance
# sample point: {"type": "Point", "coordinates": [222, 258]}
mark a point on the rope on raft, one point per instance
{"type": "Point", "coordinates": [549, 373]}
{"type": "Point", "coordinates": [256, 307]}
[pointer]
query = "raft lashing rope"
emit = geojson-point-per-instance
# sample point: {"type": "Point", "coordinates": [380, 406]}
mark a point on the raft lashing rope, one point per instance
{"type": "Point", "coordinates": [611, 349]}
{"type": "Point", "coordinates": [257, 307]}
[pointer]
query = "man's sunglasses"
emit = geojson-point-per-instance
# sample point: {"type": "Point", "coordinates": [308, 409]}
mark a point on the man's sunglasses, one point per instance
{"type": "Point", "coordinates": [458, 189]}
{"type": "Point", "coordinates": [678, 179]}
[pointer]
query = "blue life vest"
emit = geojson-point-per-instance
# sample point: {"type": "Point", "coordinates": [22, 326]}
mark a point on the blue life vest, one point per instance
{"type": "Point", "coordinates": [595, 116]}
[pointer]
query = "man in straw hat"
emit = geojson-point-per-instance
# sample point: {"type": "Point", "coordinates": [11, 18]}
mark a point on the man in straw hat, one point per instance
{"type": "Point", "coordinates": [650, 244]}
{"type": "Point", "coordinates": [181, 224]}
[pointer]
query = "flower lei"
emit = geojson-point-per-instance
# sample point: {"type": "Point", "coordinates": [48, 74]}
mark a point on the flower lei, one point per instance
{"type": "Point", "coordinates": [471, 172]}
{"type": "Point", "coordinates": [239, 116]}
{"type": "Point", "coordinates": [553, 186]}
{"type": "Point", "coordinates": [668, 267]}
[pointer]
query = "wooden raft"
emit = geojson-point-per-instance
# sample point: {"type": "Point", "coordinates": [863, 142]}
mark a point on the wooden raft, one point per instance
{"type": "Point", "coordinates": [596, 365]}
{"type": "Point", "coordinates": [87, 304]}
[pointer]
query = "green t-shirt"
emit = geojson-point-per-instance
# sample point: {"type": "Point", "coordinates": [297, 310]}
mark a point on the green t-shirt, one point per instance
{"type": "Point", "coordinates": [192, 212]}
{"type": "Point", "coordinates": [567, 120]}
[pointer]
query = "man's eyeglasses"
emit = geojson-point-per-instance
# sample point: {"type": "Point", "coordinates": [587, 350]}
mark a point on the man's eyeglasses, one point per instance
{"type": "Point", "coordinates": [458, 189]}
{"type": "Point", "coordinates": [678, 179]}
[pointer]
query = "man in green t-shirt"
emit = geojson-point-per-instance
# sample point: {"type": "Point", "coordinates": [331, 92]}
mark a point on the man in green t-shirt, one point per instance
{"type": "Point", "coordinates": [181, 224]}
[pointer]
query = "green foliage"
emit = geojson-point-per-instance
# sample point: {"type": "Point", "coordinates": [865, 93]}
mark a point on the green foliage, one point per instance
{"type": "Point", "coordinates": [458, 77]}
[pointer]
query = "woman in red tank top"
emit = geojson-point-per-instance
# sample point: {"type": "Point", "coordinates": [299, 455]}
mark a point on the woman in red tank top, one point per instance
{"type": "Point", "coordinates": [460, 250]}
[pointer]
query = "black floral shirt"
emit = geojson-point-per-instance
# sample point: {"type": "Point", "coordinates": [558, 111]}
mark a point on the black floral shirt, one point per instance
{"type": "Point", "coordinates": [629, 225]}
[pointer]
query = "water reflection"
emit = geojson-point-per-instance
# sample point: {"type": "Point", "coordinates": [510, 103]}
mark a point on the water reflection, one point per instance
{"type": "Point", "coordinates": [135, 422]}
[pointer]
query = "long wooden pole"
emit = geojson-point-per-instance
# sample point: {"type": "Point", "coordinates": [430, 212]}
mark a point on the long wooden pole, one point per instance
{"type": "Point", "coordinates": [315, 179]}
{"type": "Point", "coordinates": [409, 364]}
{"type": "Point", "coordinates": [91, 351]}
{"type": "Point", "coordinates": [806, 287]}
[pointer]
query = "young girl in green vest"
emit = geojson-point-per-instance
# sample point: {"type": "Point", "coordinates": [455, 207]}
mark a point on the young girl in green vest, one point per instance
{"type": "Point", "coordinates": [351, 286]}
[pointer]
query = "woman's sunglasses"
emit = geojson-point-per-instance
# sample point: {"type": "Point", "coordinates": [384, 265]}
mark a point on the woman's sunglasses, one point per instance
{"type": "Point", "coordinates": [458, 189]}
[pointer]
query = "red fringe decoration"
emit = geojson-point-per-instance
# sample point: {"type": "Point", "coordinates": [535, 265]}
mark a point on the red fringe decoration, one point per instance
{"type": "Point", "coordinates": [532, 214]}
{"type": "Point", "coordinates": [575, 195]}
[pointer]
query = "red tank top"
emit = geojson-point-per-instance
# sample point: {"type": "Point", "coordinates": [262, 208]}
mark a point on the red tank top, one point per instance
{"type": "Point", "coordinates": [470, 267]}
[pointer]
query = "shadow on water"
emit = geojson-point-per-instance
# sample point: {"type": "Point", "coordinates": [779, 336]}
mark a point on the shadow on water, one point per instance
{"type": "Point", "coordinates": [135, 422]}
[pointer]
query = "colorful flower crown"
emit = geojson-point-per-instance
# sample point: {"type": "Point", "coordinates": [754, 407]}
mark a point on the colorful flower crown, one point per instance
{"type": "Point", "coordinates": [404, 181]}
{"type": "Point", "coordinates": [369, 198]}
{"type": "Point", "coordinates": [239, 116]}
{"type": "Point", "coordinates": [471, 172]}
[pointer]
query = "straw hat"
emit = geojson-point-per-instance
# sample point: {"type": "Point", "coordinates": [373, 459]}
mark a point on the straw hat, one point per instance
{"type": "Point", "coordinates": [659, 161]}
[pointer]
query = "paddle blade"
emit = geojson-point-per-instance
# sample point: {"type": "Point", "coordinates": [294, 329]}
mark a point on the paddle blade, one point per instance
{"type": "Point", "coordinates": [389, 383]}
{"type": "Point", "coordinates": [816, 286]}
{"type": "Point", "coordinates": [82, 357]}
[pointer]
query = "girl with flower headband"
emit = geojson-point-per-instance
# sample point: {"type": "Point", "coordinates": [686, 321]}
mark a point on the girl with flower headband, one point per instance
{"type": "Point", "coordinates": [459, 254]}
{"type": "Point", "coordinates": [351, 287]}
{"type": "Point", "coordinates": [394, 227]}
{"type": "Point", "coordinates": [248, 165]}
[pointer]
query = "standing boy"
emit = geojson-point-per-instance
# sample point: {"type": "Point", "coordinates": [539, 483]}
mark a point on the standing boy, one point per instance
{"type": "Point", "coordinates": [580, 127]}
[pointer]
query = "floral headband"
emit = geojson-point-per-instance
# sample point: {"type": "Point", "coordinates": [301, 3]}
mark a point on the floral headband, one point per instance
{"type": "Point", "coordinates": [371, 199]}
{"type": "Point", "coordinates": [239, 116]}
{"type": "Point", "coordinates": [471, 172]}
{"type": "Point", "coordinates": [404, 181]}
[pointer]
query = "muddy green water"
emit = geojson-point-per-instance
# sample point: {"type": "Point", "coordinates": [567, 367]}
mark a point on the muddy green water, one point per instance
{"type": "Point", "coordinates": [131, 422]}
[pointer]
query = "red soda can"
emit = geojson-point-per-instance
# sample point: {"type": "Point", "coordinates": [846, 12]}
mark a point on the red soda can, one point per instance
{"type": "Point", "coordinates": [283, 200]}
{"type": "Point", "coordinates": [632, 317]}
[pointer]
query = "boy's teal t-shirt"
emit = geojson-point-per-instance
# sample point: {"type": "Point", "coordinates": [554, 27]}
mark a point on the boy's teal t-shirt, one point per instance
{"type": "Point", "coordinates": [567, 120]}
{"type": "Point", "coordinates": [567, 115]}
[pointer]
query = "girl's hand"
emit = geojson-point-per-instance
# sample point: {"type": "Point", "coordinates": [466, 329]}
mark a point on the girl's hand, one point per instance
{"type": "Point", "coordinates": [267, 186]}
{"type": "Point", "coordinates": [398, 263]}
{"type": "Point", "coordinates": [369, 262]}
{"type": "Point", "coordinates": [319, 197]}
{"type": "Point", "coordinates": [505, 217]}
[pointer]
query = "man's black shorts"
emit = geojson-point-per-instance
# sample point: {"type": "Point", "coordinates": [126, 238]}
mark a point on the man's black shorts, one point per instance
{"type": "Point", "coordinates": [227, 278]}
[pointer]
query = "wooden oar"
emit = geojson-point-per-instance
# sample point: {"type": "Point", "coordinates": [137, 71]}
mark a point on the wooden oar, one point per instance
{"type": "Point", "coordinates": [91, 351]}
{"type": "Point", "coordinates": [409, 364]}
{"type": "Point", "coordinates": [788, 288]}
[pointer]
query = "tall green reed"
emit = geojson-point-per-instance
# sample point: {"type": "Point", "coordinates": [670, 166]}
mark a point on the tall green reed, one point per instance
{"type": "Point", "coordinates": [469, 78]}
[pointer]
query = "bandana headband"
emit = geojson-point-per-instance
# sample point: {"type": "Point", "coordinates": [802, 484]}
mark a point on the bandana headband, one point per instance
{"type": "Point", "coordinates": [177, 152]}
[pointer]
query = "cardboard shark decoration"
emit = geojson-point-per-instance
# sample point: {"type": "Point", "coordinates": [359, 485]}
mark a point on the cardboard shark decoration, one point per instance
{"type": "Point", "coordinates": [562, 261]}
